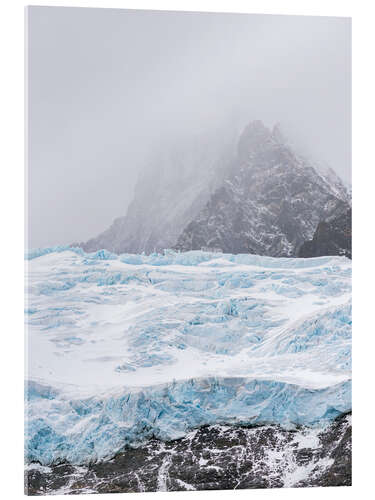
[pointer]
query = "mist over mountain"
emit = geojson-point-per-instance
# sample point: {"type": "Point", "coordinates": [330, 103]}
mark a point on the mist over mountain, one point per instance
{"type": "Point", "coordinates": [103, 104]}
{"type": "Point", "coordinates": [171, 190]}
{"type": "Point", "coordinates": [257, 196]}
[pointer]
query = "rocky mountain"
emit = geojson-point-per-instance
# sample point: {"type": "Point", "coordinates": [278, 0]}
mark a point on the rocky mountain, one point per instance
{"type": "Point", "coordinates": [262, 197]}
{"type": "Point", "coordinates": [332, 237]}
{"type": "Point", "coordinates": [170, 192]}
{"type": "Point", "coordinates": [270, 203]}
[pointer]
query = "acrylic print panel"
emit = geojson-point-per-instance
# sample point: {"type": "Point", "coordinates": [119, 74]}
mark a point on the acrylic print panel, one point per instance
{"type": "Point", "coordinates": [188, 262]}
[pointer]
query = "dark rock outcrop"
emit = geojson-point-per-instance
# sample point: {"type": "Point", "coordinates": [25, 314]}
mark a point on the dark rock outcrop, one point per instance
{"type": "Point", "coordinates": [332, 237]}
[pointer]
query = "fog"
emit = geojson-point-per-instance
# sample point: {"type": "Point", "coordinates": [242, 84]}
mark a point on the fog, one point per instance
{"type": "Point", "coordinates": [108, 88]}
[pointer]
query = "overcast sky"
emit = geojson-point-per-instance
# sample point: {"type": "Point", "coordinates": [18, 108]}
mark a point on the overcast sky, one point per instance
{"type": "Point", "coordinates": [106, 87]}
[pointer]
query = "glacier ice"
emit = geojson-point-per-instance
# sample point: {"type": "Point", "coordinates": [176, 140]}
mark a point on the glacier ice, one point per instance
{"type": "Point", "coordinates": [80, 430]}
{"type": "Point", "coordinates": [123, 348]}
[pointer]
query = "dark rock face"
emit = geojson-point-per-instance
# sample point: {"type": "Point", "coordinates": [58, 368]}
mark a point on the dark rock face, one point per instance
{"type": "Point", "coordinates": [332, 237]}
{"type": "Point", "coordinates": [214, 457]}
{"type": "Point", "coordinates": [271, 202]}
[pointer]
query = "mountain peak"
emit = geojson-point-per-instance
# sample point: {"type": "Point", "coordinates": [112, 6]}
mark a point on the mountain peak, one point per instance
{"type": "Point", "coordinates": [256, 136]}
{"type": "Point", "coordinates": [271, 202]}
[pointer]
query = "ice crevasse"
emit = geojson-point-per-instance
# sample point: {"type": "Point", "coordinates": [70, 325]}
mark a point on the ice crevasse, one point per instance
{"type": "Point", "coordinates": [124, 348]}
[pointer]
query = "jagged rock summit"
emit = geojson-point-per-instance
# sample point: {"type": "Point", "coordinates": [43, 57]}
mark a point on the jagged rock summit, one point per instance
{"type": "Point", "coordinates": [271, 202]}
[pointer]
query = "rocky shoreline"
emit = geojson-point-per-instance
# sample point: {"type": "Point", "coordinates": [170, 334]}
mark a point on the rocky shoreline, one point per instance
{"type": "Point", "coordinates": [212, 457]}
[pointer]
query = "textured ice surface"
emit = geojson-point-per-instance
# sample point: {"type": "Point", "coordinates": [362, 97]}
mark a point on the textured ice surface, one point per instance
{"type": "Point", "coordinates": [123, 348]}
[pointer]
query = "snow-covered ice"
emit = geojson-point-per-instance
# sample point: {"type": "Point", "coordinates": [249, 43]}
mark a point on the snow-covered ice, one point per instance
{"type": "Point", "coordinates": [123, 348]}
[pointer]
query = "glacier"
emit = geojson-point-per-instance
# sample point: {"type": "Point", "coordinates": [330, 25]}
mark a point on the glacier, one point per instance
{"type": "Point", "coordinates": [124, 348]}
